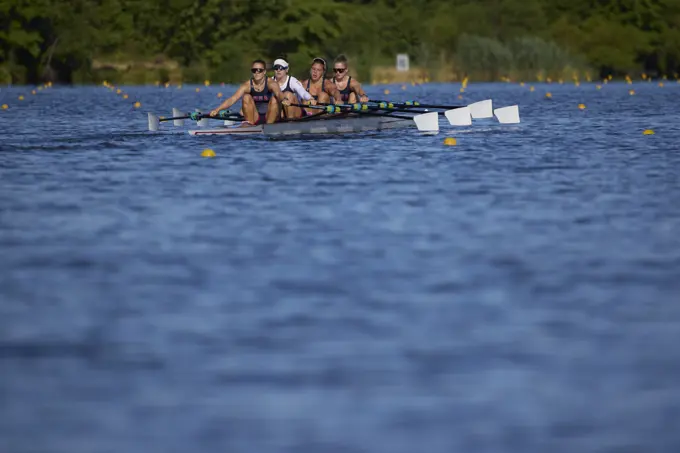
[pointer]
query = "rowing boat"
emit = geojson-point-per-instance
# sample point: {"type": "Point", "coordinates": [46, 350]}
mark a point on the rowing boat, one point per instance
{"type": "Point", "coordinates": [323, 125]}
{"type": "Point", "coordinates": [354, 118]}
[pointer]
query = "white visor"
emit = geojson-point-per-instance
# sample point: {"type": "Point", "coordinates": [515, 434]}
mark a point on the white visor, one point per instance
{"type": "Point", "coordinates": [282, 62]}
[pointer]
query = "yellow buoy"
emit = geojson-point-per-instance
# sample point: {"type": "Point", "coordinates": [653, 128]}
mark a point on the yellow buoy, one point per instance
{"type": "Point", "coordinates": [206, 83]}
{"type": "Point", "coordinates": [137, 104]}
{"type": "Point", "coordinates": [462, 90]}
{"type": "Point", "coordinates": [118, 91]}
{"type": "Point", "coordinates": [166, 85]}
{"type": "Point", "coordinates": [219, 95]}
{"type": "Point", "coordinates": [521, 84]}
{"type": "Point", "coordinates": [198, 90]}
{"type": "Point", "coordinates": [578, 84]}
{"type": "Point", "coordinates": [531, 88]}
{"type": "Point", "coordinates": [403, 87]}
{"type": "Point", "coordinates": [661, 84]}
{"type": "Point", "coordinates": [548, 95]}
{"type": "Point", "coordinates": [598, 87]}
{"type": "Point", "coordinates": [40, 88]}
{"type": "Point", "coordinates": [582, 106]}
{"type": "Point", "coordinates": [157, 83]}
{"type": "Point", "coordinates": [208, 153]}
{"type": "Point", "coordinates": [450, 141]}
{"type": "Point", "coordinates": [125, 96]}
{"type": "Point", "coordinates": [386, 92]}
{"type": "Point", "coordinates": [560, 81]}
{"type": "Point", "coordinates": [5, 106]}
{"type": "Point", "coordinates": [648, 132]}
{"type": "Point", "coordinates": [179, 87]}
{"type": "Point", "coordinates": [631, 92]}
{"type": "Point", "coordinates": [33, 92]}
{"type": "Point", "coordinates": [21, 98]}
{"type": "Point", "coordinates": [549, 80]}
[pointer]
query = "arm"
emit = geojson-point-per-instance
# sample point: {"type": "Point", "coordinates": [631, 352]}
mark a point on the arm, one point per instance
{"type": "Point", "coordinates": [356, 87]}
{"type": "Point", "coordinates": [232, 100]}
{"type": "Point", "coordinates": [276, 89]}
{"type": "Point", "coordinates": [330, 88]}
{"type": "Point", "coordinates": [300, 91]}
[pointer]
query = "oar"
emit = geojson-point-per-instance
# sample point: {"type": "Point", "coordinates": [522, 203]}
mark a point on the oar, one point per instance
{"type": "Point", "coordinates": [417, 104]}
{"type": "Point", "coordinates": [426, 122]}
{"type": "Point", "coordinates": [178, 118]}
{"type": "Point", "coordinates": [459, 116]}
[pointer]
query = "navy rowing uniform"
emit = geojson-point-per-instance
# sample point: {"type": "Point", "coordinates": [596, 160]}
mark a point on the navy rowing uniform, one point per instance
{"type": "Point", "coordinates": [261, 99]}
{"type": "Point", "coordinates": [323, 85]}
{"type": "Point", "coordinates": [345, 92]}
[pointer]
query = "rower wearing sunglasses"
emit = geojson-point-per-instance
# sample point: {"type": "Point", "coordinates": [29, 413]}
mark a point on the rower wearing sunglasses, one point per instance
{"type": "Point", "coordinates": [261, 97]}
{"type": "Point", "coordinates": [349, 88]}
{"type": "Point", "coordinates": [321, 88]}
{"type": "Point", "coordinates": [292, 89]}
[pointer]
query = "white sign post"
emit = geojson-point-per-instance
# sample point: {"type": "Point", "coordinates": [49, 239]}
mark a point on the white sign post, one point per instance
{"type": "Point", "coordinates": [402, 62]}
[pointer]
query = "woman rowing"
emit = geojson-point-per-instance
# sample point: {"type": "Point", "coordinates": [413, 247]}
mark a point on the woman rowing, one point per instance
{"type": "Point", "coordinates": [321, 88]}
{"type": "Point", "coordinates": [350, 89]}
{"type": "Point", "coordinates": [292, 89]}
{"type": "Point", "coordinates": [261, 97]}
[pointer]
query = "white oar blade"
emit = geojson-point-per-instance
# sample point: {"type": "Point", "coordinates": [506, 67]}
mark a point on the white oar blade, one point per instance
{"type": "Point", "coordinates": [203, 122]}
{"type": "Point", "coordinates": [154, 122]}
{"type": "Point", "coordinates": [229, 122]}
{"type": "Point", "coordinates": [427, 122]}
{"type": "Point", "coordinates": [459, 117]}
{"type": "Point", "coordinates": [177, 112]}
{"type": "Point", "coordinates": [507, 115]}
{"type": "Point", "coordinates": [481, 109]}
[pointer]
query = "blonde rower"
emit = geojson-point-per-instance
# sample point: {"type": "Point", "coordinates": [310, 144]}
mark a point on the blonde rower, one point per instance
{"type": "Point", "coordinates": [350, 89]}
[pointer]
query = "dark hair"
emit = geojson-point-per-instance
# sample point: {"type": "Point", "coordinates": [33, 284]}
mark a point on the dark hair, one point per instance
{"type": "Point", "coordinates": [259, 61]}
{"type": "Point", "coordinates": [319, 60]}
{"type": "Point", "coordinates": [341, 59]}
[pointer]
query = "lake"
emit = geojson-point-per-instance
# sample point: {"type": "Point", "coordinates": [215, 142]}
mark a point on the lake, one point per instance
{"type": "Point", "coordinates": [379, 292]}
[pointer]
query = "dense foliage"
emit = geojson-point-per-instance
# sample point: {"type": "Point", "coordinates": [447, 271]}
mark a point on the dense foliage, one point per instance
{"type": "Point", "coordinates": [144, 40]}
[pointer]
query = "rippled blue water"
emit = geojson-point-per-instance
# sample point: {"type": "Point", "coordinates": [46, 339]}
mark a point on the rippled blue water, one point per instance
{"type": "Point", "coordinates": [519, 292]}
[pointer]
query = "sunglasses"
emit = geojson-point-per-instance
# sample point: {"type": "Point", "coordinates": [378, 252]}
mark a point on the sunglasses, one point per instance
{"type": "Point", "coordinates": [278, 67]}
{"type": "Point", "coordinates": [256, 70]}
{"type": "Point", "coordinates": [339, 69]}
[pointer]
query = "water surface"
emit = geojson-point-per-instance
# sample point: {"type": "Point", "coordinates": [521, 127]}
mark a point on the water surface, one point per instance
{"type": "Point", "coordinates": [518, 292]}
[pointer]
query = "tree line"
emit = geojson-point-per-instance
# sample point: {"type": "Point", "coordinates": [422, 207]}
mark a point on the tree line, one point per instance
{"type": "Point", "coordinates": [137, 41]}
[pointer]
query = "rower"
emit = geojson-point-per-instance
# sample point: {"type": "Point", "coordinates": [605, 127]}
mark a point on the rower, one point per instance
{"type": "Point", "coordinates": [261, 97]}
{"type": "Point", "coordinates": [319, 86]}
{"type": "Point", "coordinates": [349, 88]}
{"type": "Point", "coordinates": [292, 89]}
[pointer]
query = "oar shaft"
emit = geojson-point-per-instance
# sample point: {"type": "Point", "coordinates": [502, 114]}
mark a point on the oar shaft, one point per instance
{"type": "Point", "coordinates": [416, 104]}
{"type": "Point", "coordinates": [201, 117]}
